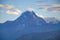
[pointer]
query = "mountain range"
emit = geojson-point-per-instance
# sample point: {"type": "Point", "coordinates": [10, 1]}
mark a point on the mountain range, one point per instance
{"type": "Point", "coordinates": [28, 23]}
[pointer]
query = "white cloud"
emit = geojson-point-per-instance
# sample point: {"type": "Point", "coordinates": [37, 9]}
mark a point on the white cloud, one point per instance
{"type": "Point", "coordinates": [47, 7]}
{"type": "Point", "coordinates": [13, 12]}
{"type": "Point", "coordinates": [1, 5]}
{"type": "Point", "coordinates": [56, 5]}
{"type": "Point", "coordinates": [31, 9]}
{"type": "Point", "coordinates": [54, 20]}
{"type": "Point", "coordinates": [10, 9]}
{"type": "Point", "coordinates": [40, 15]}
{"type": "Point", "coordinates": [52, 8]}
{"type": "Point", "coordinates": [9, 6]}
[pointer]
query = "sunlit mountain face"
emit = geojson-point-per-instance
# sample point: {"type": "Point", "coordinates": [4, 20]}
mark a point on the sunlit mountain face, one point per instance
{"type": "Point", "coordinates": [29, 19]}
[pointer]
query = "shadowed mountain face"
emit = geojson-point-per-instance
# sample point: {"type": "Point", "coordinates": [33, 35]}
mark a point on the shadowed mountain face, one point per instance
{"type": "Point", "coordinates": [27, 23]}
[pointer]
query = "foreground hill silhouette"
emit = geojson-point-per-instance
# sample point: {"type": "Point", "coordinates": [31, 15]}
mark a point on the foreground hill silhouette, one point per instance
{"type": "Point", "coordinates": [28, 23]}
{"type": "Point", "coordinates": [53, 35]}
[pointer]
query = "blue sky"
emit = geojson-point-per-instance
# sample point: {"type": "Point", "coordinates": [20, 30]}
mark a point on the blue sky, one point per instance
{"type": "Point", "coordinates": [12, 9]}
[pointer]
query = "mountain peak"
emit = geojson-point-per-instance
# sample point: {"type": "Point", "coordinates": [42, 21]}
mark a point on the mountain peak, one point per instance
{"type": "Point", "coordinates": [26, 15]}
{"type": "Point", "coordinates": [29, 13]}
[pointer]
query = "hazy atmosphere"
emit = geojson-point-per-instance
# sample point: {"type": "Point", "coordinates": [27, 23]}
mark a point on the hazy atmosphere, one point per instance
{"type": "Point", "coordinates": [10, 10]}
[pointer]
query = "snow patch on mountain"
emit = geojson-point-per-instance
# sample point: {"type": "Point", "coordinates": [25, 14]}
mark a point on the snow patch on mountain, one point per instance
{"type": "Point", "coordinates": [53, 20]}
